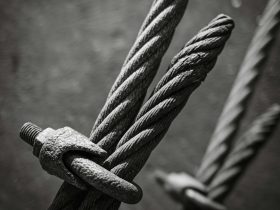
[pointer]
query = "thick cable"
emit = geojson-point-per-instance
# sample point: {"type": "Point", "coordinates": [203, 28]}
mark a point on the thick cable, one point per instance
{"type": "Point", "coordinates": [129, 89]}
{"type": "Point", "coordinates": [243, 87]}
{"type": "Point", "coordinates": [186, 72]}
{"type": "Point", "coordinates": [138, 71]}
{"type": "Point", "coordinates": [245, 149]}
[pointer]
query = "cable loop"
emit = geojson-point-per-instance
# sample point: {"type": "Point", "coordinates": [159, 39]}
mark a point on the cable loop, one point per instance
{"type": "Point", "coordinates": [60, 150]}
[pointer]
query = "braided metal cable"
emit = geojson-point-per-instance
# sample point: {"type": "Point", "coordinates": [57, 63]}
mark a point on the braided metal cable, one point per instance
{"type": "Point", "coordinates": [243, 152]}
{"type": "Point", "coordinates": [186, 72]}
{"type": "Point", "coordinates": [237, 101]}
{"type": "Point", "coordinates": [129, 90]}
{"type": "Point", "coordinates": [138, 71]}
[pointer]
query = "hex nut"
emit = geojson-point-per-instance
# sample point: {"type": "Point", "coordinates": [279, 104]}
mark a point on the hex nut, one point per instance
{"type": "Point", "coordinates": [41, 138]}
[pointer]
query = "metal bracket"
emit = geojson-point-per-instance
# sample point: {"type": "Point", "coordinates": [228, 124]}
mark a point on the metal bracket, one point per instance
{"type": "Point", "coordinates": [56, 149]}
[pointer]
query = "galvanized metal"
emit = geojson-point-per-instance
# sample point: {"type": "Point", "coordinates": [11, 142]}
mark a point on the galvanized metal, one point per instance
{"type": "Point", "coordinates": [60, 150]}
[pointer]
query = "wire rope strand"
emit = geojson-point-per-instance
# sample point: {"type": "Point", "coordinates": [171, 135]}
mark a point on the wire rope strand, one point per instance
{"type": "Point", "coordinates": [129, 90]}
{"type": "Point", "coordinates": [138, 71]}
{"type": "Point", "coordinates": [245, 149]}
{"type": "Point", "coordinates": [243, 87]}
{"type": "Point", "coordinates": [184, 75]}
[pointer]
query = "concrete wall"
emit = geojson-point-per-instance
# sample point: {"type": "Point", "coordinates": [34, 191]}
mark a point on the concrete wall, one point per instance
{"type": "Point", "coordinates": [58, 60]}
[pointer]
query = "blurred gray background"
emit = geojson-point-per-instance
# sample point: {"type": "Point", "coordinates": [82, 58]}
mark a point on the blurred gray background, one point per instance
{"type": "Point", "coordinates": [58, 60]}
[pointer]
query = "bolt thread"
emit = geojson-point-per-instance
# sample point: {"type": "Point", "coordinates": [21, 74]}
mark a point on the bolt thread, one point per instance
{"type": "Point", "coordinates": [28, 132]}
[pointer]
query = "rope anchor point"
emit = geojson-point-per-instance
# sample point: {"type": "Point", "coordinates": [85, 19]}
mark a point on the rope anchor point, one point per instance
{"type": "Point", "coordinates": [186, 189]}
{"type": "Point", "coordinates": [55, 150]}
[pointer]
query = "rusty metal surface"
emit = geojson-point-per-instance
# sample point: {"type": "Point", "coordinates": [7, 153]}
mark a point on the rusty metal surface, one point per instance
{"type": "Point", "coordinates": [58, 59]}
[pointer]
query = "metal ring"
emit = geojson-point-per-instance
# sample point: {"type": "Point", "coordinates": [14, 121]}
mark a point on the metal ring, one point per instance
{"type": "Point", "coordinates": [104, 180]}
{"type": "Point", "coordinates": [63, 154]}
{"type": "Point", "coordinates": [56, 151]}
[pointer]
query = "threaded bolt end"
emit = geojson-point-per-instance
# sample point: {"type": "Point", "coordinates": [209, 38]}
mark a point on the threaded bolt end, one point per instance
{"type": "Point", "coordinates": [28, 132]}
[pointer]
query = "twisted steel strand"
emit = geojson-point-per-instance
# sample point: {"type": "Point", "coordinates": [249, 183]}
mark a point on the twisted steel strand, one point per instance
{"type": "Point", "coordinates": [243, 152]}
{"type": "Point", "coordinates": [138, 71]}
{"type": "Point", "coordinates": [237, 101]}
{"type": "Point", "coordinates": [186, 72]}
{"type": "Point", "coordinates": [129, 89]}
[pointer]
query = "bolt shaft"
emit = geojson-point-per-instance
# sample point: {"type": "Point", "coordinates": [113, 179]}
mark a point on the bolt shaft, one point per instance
{"type": "Point", "coordinates": [28, 132]}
